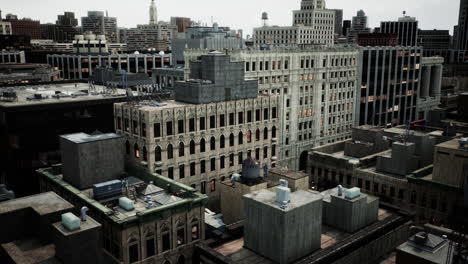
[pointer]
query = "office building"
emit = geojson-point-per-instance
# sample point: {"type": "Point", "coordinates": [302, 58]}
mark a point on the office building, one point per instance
{"type": "Point", "coordinates": [358, 26]}
{"type": "Point", "coordinates": [435, 43]}
{"type": "Point", "coordinates": [23, 73]}
{"type": "Point", "coordinates": [461, 30]}
{"type": "Point", "coordinates": [312, 24]}
{"type": "Point", "coordinates": [376, 39]}
{"type": "Point", "coordinates": [25, 26]}
{"type": "Point", "coordinates": [390, 78]}
{"type": "Point", "coordinates": [200, 143]}
{"type": "Point", "coordinates": [317, 88]}
{"type": "Point", "coordinates": [81, 67]}
{"type": "Point", "coordinates": [144, 216]}
{"type": "Point", "coordinates": [64, 29]}
{"type": "Point", "coordinates": [5, 28]}
{"type": "Point", "coordinates": [155, 37]}
{"type": "Point", "coordinates": [402, 167]}
{"type": "Point", "coordinates": [406, 28]}
{"type": "Point", "coordinates": [99, 24]}
{"type": "Point", "coordinates": [209, 38]}
{"type": "Point", "coordinates": [182, 23]}
{"type": "Point", "coordinates": [338, 22]}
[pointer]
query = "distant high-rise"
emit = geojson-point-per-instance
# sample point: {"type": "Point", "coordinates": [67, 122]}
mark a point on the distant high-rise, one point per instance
{"type": "Point", "coordinates": [338, 21]}
{"type": "Point", "coordinates": [99, 24]}
{"type": "Point", "coordinates": [346, 27]}
{"type": "Point", "coordinates": [67, 19]}
{"type": "Point", "coordinates": [358, 25]}
{"type": "Point", "coordinates": [182, 23]}
{"type": "Point", "coordinates": [462, 28]}
{"type": "Point", "coordinates": [406, 28]}
{"type": "Point", "coordinates": [153, 13]}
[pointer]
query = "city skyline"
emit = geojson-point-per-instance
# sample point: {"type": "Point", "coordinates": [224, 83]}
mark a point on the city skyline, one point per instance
{"type": "Point", "coordinates": [436, 14]}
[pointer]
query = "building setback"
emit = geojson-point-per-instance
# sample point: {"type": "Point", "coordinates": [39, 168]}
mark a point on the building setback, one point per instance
{"type": "Point", "coordinates": [406, 28]}
{"type": "Point", "coordinates": [389, 85]}
{"type": "Point", "coordinates": [81, 67]}
{"type": "Point", "coordinates": [317, 93]}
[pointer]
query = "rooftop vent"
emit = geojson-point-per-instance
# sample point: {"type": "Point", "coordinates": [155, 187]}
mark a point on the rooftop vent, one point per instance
{"type": "Point", "coordinates": [283, 194]}
{"type": "Point", "coordinates": [421, 238]}
{"type": "Point", "coordinates": [70, 222]}
{"type": "Point", "coordinates": [463, 143]}
{"type": "Point", "coordinates": [352, 193]}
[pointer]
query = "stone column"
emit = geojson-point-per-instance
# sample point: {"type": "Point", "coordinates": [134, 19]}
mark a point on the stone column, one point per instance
{"type": "Point", "coordinates": [426, 81]}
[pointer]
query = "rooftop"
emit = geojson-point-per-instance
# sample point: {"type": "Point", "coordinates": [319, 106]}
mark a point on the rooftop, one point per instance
{"type": "Point", "coordinates": [43, 204]}
{"type": "Point", "coordinates": [434, 248]}
{"type": "Point", "coordinates": [298, 199]}
{"type": "Point", "coordinates": [55, 94]}
{"type": "Point", "coordinates": [85, 138]}
{"type": "Point", "coordinates": [288, 173]}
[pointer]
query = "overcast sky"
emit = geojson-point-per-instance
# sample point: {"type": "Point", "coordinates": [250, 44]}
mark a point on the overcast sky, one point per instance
{"type": "Point", "coordinates": [238, 14]}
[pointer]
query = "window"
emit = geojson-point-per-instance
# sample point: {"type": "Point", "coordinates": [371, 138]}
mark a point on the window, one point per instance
{"type": "Point", "coordinates": [401, 194]}
{"type": "Point", "coordinates": [240, 158]}
{"type": "Point", "coordinates": [265, 114]}
{"type": "Point", "coordinates": [273, 132]}
{"type": "Point", "coordinates": [202, 167]}
{"type": "Point", "coordinates": [257, 154]}
{"type": "Point", "coordinates": [119, 123]}
{"type": "Point", "coordinates": [241, 138]}
{"type": "Point", "coordinates": [145, 154]}
{"type": "Point", "coordinates": [213, 185]}
{"type": "Point", "coordinates": [241, 117]}
{"type": "Point", "coordinates": [181, 149]}
{"type": "Point", "coordinates": [273, 112]}
{"type": "Point", "coordinates": [265, 152]}
{"type": "Point", "coordinates": [170, 173]}
{"type": "Point", "coordinates": [181, 171]}
{"type": "Point", "coordinates": [257, 115]}
{"type": "Point", "coordinates": [136, 151]}
{"type": "Point", "coordinates": [202, 145]}
{"type": "Point", "coordinates": [169, 131]}
{"type": "Point", "coordinates": [273, 150]}
{"type": "Point", "coordinates": [212, 122]}
{"type": "Point", "coordinates": [222, 141]}
{"type": "Point", "coordinates": [157, 130]}
{"type": "Point", "coordinates": [180, 126]}
{"type": "Point", "coordinates": [150, 246]}
{"type": "Point", "coordinates": [170, 152]}
{"type": "Point", "coordinates": [222, 162]}
{"type": "Point", "coordinates": [249, 116]}
{"type": "Point", "coordinates": [222, 121]}
{"type": "Point", "coordinates": [192, 147]}
{"type": "Point", "coordinates": [157, 154]}
{"type": "Point", "coordinates": [192, 169]}
{"type": "Point", "coordinates": [191, 124]}
{"type": "Point", "coordinates": [257, 135]}
{"type": "Point", "coordinates": [213, 164]}
{"type": "Point", "coordinates": [231, 160]}
{"type": "Point", "coordinates": [231, 140]}
{"type": "Point", "coordinates": [203, 187]}
{"type": "Point", "coordinates": [127, 125]}
{"type": "Point", "coordinates": [195, 233]}
{"type": "Point", "coordinates": [143, 129]}
{"type": "Point", "coordinates": [166, 241]}
{"type": "Point", "coordinates": [135, 127]}
{"type": "Point", "coordinates": [212, 143]}
{"type": "Point", "coordinates": [202, 123]}
{"type": "Point", "coordinates": [133, 252]}
{"type": "Point", "coordinates": [231, 119]}
{"type": "Point", "coordinates": [249, 136]}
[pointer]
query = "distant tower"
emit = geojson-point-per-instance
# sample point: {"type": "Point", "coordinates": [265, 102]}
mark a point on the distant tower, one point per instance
{"type": "Point", "coordinates": [265, 19]}
{"type": "Point", "coordinates": [153, 13]}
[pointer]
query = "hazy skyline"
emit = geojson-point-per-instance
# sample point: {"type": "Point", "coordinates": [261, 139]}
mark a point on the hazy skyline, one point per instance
{"type": "Point", "coordinates": [240, 14]}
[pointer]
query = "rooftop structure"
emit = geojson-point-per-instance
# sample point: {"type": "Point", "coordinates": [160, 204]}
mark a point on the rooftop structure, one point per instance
{"type": "Point", "coordinates": [424, 248]}
{"type": "Point", "coordinates": [12, 73]}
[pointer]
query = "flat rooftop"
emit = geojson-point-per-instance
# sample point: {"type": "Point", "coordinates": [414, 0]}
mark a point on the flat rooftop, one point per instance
{"type": "Point", "coordinates": [86, 138]}
{"type": "Point", "coordinates": [452, 144]}
{"type": "Point", "coordinates": [30, 251]}
{"type": "Point", "coordinates": [43, 204]}
{"type": "Point", "coordinates": [298, 199]}
{"type": "Point", "coordinates": [334, 192]}
{"type": "Point", "coordinates": [288, 173]}
{"type": "Point", "coordinates": [435, 249]}
{"type": "Point", "coordinates": [55, 94]}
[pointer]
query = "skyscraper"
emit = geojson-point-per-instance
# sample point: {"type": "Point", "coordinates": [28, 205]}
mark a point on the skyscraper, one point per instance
{"type": "Point", "coordinates": [358, 25]}
{"type": "Point", "coordinates": [462, 29]}
{"type": "Point", "coordinates": [99, 24]}
{"type": "Point", "coordinates": [153, 13]}
{"type": "Point", "coordinates": [406, 28]}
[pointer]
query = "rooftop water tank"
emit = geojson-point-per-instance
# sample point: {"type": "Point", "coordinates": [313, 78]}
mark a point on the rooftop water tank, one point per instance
{"type": "Point", "coordinates": [126, 203]}
{"type": "Point", "coordinates": [71, 222]}
{"type": "Point", "coordinates": [352, 193]}
{"type": "Point", "coordinates": [250, 169]}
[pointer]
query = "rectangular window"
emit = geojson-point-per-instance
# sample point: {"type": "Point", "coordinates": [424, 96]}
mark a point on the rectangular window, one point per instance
{"type": "Point", "coordinates": [143, 129]}
{"type": "Point", "coordinates": [221, 162]}
{"type": "Point", "coordinates": [213, 185]}
{"type": "Point", "coordinates": [169, 131]}
{"type": "Point", "coordinates": [119, 122]}
{"type": "Point", "coordinates": [265, 114]}
{"type": "Point", "coordinates": [192, 125]}
{"type": "Point", "coordinates": [202, 167]}
{"type": "Point", "coordinates": [192, 169]}
{"type": "Point", "coordinates": [213, 164]}
{"type": "Point", "coordinates": [133, 253]}
{"type": "Point", "coordinates": [181, 171]}
{"type": "Point", "coordinates": [180, 126]}
{"type": "Point", "coordinates": [222, 121]}
{"type": "Point", "coordinates": [240, 118]}
{"type": "Point", "coordinates": [203, 187]}
{"type": "Point", "coordinates": [202, 123]}
{"type": "Point", "coordinates": [231, 119]}
{"type": "Point", "coordinates": [170, 173]}
{"type": "Point", "coordinates": [180, 236]}
{"type": "Point", "coordinates": [249, 116]}
{"type": "Point", "coordinates": [166, 241]}
{"type": "Point", "coordinates": [135, 127]}
{"type": "Point", "coordinates": [273, 112]}
{"type": "Point", "coordinates": [257, 115]}
{"type": "Point", "coordinates": [195, 233]}
{"type": "Point", "coordinates": [157, 130]}
{"type": "Point", "coordinates": [150, 247]}
{"type": "Point", "coordinates": [212, 122]}
{"type": "Point", "coordinates": [240, 157]}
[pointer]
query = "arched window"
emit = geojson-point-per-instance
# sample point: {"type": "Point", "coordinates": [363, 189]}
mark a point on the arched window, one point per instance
{"type": "Point", "coordinates": [273, 132]}
{"type": "Point", "coordinates": [127, 147]}
{"type": "Point", "coordinates": [192, 147]}
{"type": "Point", "coordinates": [170, 152]}
{"type": "Point", "coordinates": [257, 135]}
{"type": "Point", "coordinates": [222, 141]}
{"type": "Point", "coordinates": [241, 138]}
{"type": "Point", "coordinates": [212, 143]}
{"type": "Point", "coordinates": [249, 136]}
{"type": "Point", "coordinates": [265, 133]}
{"type": "Point", "coordinates": [202, 145]}
{"type": "Point", "coordinates": [181, 149]}
{"type": "Point", "coordinates": [136, 151]}
{"type": "Point", "coordinates": [145, 154]}
{"type": "Point", "coordinates": [157, 154]}
{"type": "Point", "coordinates": [231, 140]}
